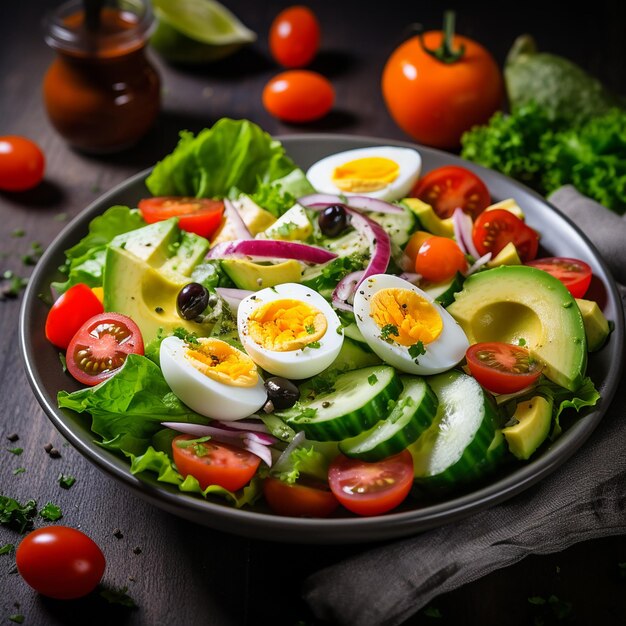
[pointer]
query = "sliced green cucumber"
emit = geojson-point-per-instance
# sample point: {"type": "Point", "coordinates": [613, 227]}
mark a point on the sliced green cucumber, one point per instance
{"type": "Point", "coordinates": [444, 292]}
{"type": "Point", "coordinates": [352, 331]}
{"type": "Point", "coordinates": [354, 355]}
{"type": "Point", "coordinates": [357, 400]}
{"type": "Point", "coordinates": [464, 442]}
{"type": "Point", "coordinates": [411, 416]}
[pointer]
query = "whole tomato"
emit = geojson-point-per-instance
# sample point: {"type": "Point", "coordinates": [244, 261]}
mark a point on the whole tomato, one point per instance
{"type": "Point", "coordinates": [437, 85]}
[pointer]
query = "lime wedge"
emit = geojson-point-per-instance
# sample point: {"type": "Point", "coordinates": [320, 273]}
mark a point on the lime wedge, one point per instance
{"type": "Point", "coordinates": [197, 31]}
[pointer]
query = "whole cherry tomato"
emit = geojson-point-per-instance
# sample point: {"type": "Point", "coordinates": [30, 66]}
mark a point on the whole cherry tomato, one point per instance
{"type": "Point", "coordinates": [298, 96]}
{"type": "Point", "coordinates": [439, 259]}
{"type": "Point", "coordinates": [60, 562]}
{"type": "Point", "coordinates": [437, 85]}
{"type": "Point", "coordinates": [22, 163]}
{"type": "Point", "coordinates": [294, 37]}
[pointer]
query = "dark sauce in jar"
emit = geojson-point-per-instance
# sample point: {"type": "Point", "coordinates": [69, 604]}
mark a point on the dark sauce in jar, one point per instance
{"type": "Point", "coordinates": [101, 92]}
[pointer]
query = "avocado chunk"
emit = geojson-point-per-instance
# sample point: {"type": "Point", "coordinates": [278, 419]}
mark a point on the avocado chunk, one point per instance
{"type": "Point", "coordinates": [255, 276]}
{"type": "Point", "coordinates": [532, 424]}
{"type": "Point", "coordinates": [145, 270]}
{"type": "Point", "coordinates": [520, 304]}
{"type": "Point", "coordinates": [507, 256]}
{"type": "Point", "coordinates": [429, 220]}
{"type": "Point", "coordinates": [596, 325]}
{"type": "Point", "coordinates": [509, 205]}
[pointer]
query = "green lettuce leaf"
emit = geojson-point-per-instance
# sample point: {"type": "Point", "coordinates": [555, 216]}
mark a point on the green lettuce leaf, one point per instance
{"type": "Point", "coordinates": [85, 260]}
{"type": "Point", "coordinates": [311, 460]}
{"type": "Point", "coordinates": [159, 463]}
{"type": "Point", "coordinates": [128, 408]}
{"type": "Point", "coordinates": [231, 157]}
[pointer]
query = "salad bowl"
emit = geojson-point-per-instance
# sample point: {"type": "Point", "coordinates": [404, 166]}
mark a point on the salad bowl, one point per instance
{"type": "Point", "coordinates": [559, 236]}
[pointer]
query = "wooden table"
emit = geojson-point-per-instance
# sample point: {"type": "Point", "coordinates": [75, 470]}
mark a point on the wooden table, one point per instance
{"type": "Point", "coordinates": [177, 572]}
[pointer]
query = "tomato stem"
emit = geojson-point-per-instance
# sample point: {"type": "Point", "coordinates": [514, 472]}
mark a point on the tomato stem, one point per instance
{"type": "Point", "coordinates": [445, 52]}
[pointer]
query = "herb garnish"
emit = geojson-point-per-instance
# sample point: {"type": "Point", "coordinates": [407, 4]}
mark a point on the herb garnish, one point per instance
{"type": "Point", "coordinates": [18, 470]}
{"type": "Point", "coordinates": [187, 337]}
{"type": "Point", "coordinates": [51, 512]}
{"type": "Point", "coordinates": [387, 330]}
{"type": "Point", "coordinates": [6, 548]}
{"type": "Point", "coordinates": [118, 596]}
{"type": "Point", "coordinates": [416, 350]}
{"type": "Point", "coordinates": [372, 379]}
{"type": "Point", "coordinates": [16, 451]}
{"type": "Point", "coordinates": [66, 481]}
{"type": "Point", "coordinates": [15, 515]}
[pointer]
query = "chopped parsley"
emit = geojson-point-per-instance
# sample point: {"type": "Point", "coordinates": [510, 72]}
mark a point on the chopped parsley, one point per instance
{"type": "Point", "coordinates": [31, 258]}
{"type": "Point", "coordinates": [16, 451]}
{"type": "Point", "coordinates": [187, 337]}
{"type": "Point", "coordinates": [66, 481]}
{"type": "Point", "coordinates": [416, 350]}
{"type": "Point", "coordinates": [51, 512]}
{"type": "Point", "coordinates": [196, 444]}
{"type": "Point", "coordinates": [17, 619]}
{"type": "Point", "coordinates": [18, 232]}
{"type": "Point", "coordinates": [387, 330]}
{"type": "Point", "coordinates": [15, 515]}
{"type": "Point", "coordinates": [6, 548]}
{"type": "Point", "coordinates": [372, 379]}
{"type": "Point", "coordinates": [521, 341]}
{"type": "Point", "coordinates": [431, 611]}
{"type": "Point", "coordinates": [286, 230]}
{"type": "Point", "coordinates": [18, 470]}
{"type": "Point", "coordinates": [310, 329]}
{"type": "Point", "coordinates": [118, 596]}
{"type": "Point", "coordinates": [314, 344]}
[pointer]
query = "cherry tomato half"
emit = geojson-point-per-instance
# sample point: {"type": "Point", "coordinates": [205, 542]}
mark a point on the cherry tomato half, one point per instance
{"type": "Point", "coordinates": [450, 187]}
{"type": "Point", "coordinates": [214, 463]}
{"type": "Point", "coordinates": [100, 347]}
{"type": "Point", "coordinates": [69, 312]}
{"type": "Point", "coordinates": [201, 216]}
{"type": "Point", "coordinates": [495, 228]}
{"type": "Point", "coordinates": [22, 163]}
{"type": "Point", "coordinates": [502, 367]}
{"type": "Point", "coordinates": [573, 273]}
{"type": "Point", "coordinates": [371, 488]}
{"type": "Point", "coordinates": [298, 96]}
{"type": "Point", "coordinates": [299, 499]}
{"type": "Point", "coordinates": [60, 562]}
{"type": "Point", "coordinates": [294, 37]}
{"type": "Point", "coordinates": [439, 259]}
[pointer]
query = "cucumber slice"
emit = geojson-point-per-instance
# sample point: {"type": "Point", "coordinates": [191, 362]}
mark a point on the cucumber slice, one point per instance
{"type": "Point", "coordinates": [444, 292]}
{"type": "Point", "coordinates": [410, 417]}
{"type": "Point", "coordinates": [353, 355]}
{"type": "Point", "coordinates": [463, 443]}
{"type": "Point", "coordinates": [357, 401]}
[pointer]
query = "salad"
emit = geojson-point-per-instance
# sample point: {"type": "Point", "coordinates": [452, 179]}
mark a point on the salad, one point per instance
{"type": "Point", "coordinates": [330, 342]}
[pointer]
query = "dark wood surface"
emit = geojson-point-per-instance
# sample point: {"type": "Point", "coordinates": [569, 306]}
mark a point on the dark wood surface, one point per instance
{"type": "Point", "coordinates": [177, 572]}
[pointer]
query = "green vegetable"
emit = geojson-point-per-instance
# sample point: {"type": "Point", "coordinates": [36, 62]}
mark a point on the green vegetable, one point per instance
{"type": "Point", "coordinates": [66, 481]}
{"type": "Point", "coordinates": [51, 512]}
{"type": "Point", "coordinates": [233, 156]}
{"type": "Point", "coordinates": [6, 548]}
{"type": "Point", "coordinates": [544, 154]}
{"type": "Point", "coordinates": [118, 596]}
{"type": "Point", "coordinates": [85, 260]}
{"type": "Point", "coordinates": [15, 515]}
{"type": "Point", "coordinates": [128, 408]}
{"type": "Point", "coordinates": [563, 89]}
{"type": "Point", "coordinates": [311, 460]}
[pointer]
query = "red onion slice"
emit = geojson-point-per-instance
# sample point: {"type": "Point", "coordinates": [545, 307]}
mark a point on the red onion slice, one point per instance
{"type": "Point", "coordinates": [463, 225]}
{"type": "Point", "coordinates": [263, 452]}
{"type": "Point", "coordinates": [270, 248]}
{"type": "Point", "coordinates": [318, 201]}
{"type": "Point", "coordinates": [478, 263]}
{"type": "Point", "coordinates": [256, 426]}
{"type": "Point", "coordinates": [231, 214]}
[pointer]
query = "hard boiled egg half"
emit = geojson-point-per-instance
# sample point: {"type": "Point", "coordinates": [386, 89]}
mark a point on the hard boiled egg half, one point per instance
{"type": "Point", "coordinates": [387, 173]}
{"type": "Point", "coordinates": [406, 328]}
{"type": "Point", "coordinates": [212, 377]}
{"type": "Point", "coordinates": [289, 330]}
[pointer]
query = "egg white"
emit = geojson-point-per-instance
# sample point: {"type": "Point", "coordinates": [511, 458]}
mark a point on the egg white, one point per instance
{"type": "Point", "coordinates": [203, 394]}
{"type": "Point", "coordinates": [446, 351]}
{"type": "Point", "coordinates": [292, 364]}
{"type": "Point", "coordinates": [320, 174]}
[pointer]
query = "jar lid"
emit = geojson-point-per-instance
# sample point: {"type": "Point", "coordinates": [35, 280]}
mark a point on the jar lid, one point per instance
{"type": "Point", "coordinates": [124, 25]}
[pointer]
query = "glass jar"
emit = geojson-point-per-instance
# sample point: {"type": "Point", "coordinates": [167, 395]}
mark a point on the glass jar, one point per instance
{"type": "Point", "coordinates": [101, 93]}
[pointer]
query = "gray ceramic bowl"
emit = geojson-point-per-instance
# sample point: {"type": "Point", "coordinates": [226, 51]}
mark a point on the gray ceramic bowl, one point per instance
{"type": "Point", "coordinates": [559, 236]}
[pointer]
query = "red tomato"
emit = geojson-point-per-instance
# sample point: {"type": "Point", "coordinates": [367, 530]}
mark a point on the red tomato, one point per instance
{"type": "Point", "coordinates": [298, 96]}
{"type": "Point", "coordinates": [100, 347]}
{"type": "Point", "coordinates": [70, 311]}
{"type": "Point", "coordinates": [22, 163]}
{"type": "Point", "coordinates": [60, 562]}
{"type": "Point", "coordinates": [294, 37]}
{"type": "Point", "coordinates": [214, 463]}
{"type": "Point", "coordinates": [439, 259]}
{"type": "Point", "coordinates": [495, 228]}
{"type": "Point", "coordinates": [300, 499]}
{"type": "Point", "coordinates": [435, 101]}
{"type": "Point", "coordinates": [201, 216]}
{"type": "Point", "coordinates": [573, 273]}
{"type": "Point", "coordinates": [502, 367]}
{"type": "Point", "coordinates": [450, 187]}
{"type": "Point", "coordinates": [371, 488]}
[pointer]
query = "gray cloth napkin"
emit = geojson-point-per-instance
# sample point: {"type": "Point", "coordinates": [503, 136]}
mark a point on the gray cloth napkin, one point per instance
{"type": "Point", "coordinates": [388, 584]}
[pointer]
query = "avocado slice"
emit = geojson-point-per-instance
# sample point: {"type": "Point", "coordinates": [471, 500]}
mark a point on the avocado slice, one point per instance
{"type": "Point", "coordinates": [533, 418]}
{"type": "Point", "coordinates": [514, 303]}
{"type": "Point", "coordinates": [429, 220]}
{"type": "Point", "coordinates": [254, 276]}
{"type": "Point", "coordinates": [507, 256]}
{"type": "Point", "coordinates": [596, 325]}
{"type": "Point", "coordinates": [144, 271]}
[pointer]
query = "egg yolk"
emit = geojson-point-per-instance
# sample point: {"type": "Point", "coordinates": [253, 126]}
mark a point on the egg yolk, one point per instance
{"type": "Point", "coordinates": [367, 174]}
{"type": "Point", "coordinates": [285, 325]}
{"type": "Point", "coordinates": [221, 362]}
{"type": "Point", "coordinates": [405, 317]}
